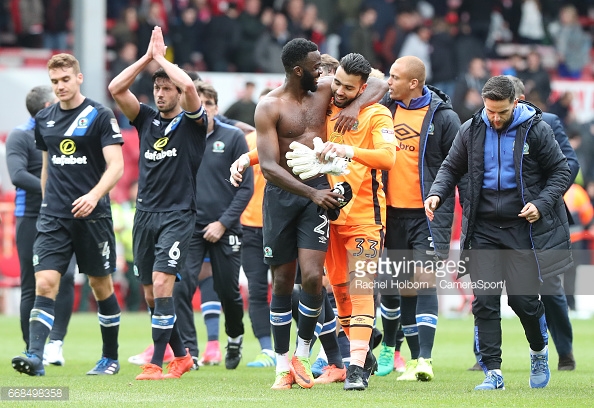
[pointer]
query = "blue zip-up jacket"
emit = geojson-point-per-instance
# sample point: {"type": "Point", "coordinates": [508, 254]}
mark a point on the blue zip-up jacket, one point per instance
{"type": "Point", "coordinates": [500, 201]}
{"type": "Point", "coordinates": [541, 174]}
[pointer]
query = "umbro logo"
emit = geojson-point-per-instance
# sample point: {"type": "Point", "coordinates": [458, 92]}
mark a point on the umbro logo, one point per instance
{"type": "Point", "coordinates": [50, 123]}
{"type": "Point", "coordinates": [156, 122]}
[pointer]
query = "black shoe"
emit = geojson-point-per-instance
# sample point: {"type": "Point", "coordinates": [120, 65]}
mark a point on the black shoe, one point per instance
{"type": "Point", "coordinates": [354, 379]}
{"type": "Point", "coordinates": [566, 363]}
{"type": "Point", "coordinates": [369, 368]}
{"type": "Point", "coordinates": [233, 356]}
{"type": "Point", "coordinates": [376, 338]}
{"type": "Point", "coordinates": [475, 367]}
{"type": "Point", "coordinates": [29, 364]}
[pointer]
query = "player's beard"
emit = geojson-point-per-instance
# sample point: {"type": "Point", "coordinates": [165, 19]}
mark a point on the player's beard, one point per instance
{"type": "Point", "coordinates": [505, 125]}
{"type": "Point", "coordinates": [342, 103]}
{"type": "Point", "coordinates": [308, 82]}
{"type": "Point", "coordinates": [168, 107]}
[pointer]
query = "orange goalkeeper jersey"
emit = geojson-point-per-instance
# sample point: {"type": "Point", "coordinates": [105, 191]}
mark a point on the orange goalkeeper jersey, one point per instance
{"type": "Point", "coordinates": [374, 146]}
{"type": "Point", "coordinates": [252, 215]}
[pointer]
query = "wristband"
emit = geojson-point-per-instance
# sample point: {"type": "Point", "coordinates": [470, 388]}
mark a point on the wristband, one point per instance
{"type": "Point", "coordinates": [196, 114]}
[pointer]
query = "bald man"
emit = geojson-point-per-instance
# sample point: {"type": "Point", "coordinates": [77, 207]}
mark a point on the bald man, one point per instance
{"type": "Point", "coordinates": [425, 125]}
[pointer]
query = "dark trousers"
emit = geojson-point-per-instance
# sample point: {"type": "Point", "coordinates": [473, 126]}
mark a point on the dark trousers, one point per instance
{"type": "Point", "coordinates": [25, 237]}
{"type": "Point", "coordinates": [225, 258]}
{"type": "Point", "coordinates": [256, 271]}
{"type": "Point", "coordinates": [556, 312]}
{"type": "Point", "coordinates": [504, 255]}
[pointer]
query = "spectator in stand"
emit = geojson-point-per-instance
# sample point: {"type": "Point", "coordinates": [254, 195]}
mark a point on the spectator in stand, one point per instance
{"type": "Point", "coordinates": [417, 45]}
{"type": "Point", "coordinates": [126, 57]}
{"type": "Point", "coordinates": [475, 78]}
{"type": "Point", "coordinates": [27, 19]}
{"type": "Point", "coordinates": [363, 36]}
{"type": "Point", "coordinates": [405, 22]}
{"type": "Point", "coordinates": [244, 108]}
{"type": "Point", "coordinates": [531, 29]}
{"type": "Point", "coordinates": [186, 37]}
{"type": "Point", "coordinates": [572, 42]}
{"type": "Point", "coordinates": [516, 64]}
{"type": "Point", "coordinates": [468, 47]}
{"type": "Point", "coordinates": [223, 33]}
{"type": "Point", "coordinates": [221, 7]}
{"type": "Point", "coordinates": [126, 28]}
{"type": "Point", "coordinates": [443, 57]}
{"type": "Point", "coordinates": [56, 24]}
{"type": "Point", "coordinates": [313, 28]}
{"type": "Point", "coordinates": [478, 16]}
{"type": "Point", "coordinates": [536, 79]}
{"type": "Point", "coordinates": [294, 10]}
{"type": "Point", "coordinates": [386, 10]}
{"type": "Point", "coordinates": [154, 16]}
{"type": "Point", "coordinates": [349, 9]}
{"type": "Point", "coordinates": [270, 44]}
{"type": "Point", "coordinates": [251, 28]}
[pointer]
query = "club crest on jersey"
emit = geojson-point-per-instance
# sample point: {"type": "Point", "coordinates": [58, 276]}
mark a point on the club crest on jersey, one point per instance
{"type": "Point", "coordinates": [267, 252]}
{"type": "Point", "coordinates": [218, 147]}
{"type": "Point", "coordinates": [355, 126]}
{"type": "Point", "coordinates": [161, 143]}
{"type": "Point", "coordinates": [336, 137]}
{"type": "Point", "coordinates": [431, 128]}
{"type": "Point", "coordinates": [82, 123]}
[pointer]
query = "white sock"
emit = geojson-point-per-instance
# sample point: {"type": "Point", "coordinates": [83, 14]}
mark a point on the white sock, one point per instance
{"type": "Point", "coordinates": [282, 362]}
{"type": "Point", "coordinates": [302, 349]}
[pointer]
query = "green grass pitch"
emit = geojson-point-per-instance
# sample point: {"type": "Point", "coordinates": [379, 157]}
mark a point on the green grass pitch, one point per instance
{"type": "Point", "coordinates": [250, 387]}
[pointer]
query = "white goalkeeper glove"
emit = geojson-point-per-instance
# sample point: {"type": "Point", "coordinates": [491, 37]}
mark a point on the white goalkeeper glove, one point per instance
{"type": "Point", "coordinates": [237, 169]}
{"type": "Point", "coordinates": [304, 161]}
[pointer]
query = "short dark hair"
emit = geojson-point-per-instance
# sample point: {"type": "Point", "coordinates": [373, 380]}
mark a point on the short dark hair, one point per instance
{"type": "Point", "coordinates": [499, 88]}
{"type": "Point", "coordinates": [295, 51]}
{"type": "Point", "coordinates": [160, 73]}
{"type": "Point", "coordinates": [38, 97]}
{"type": "Point", "coordinates": [356, 64]}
